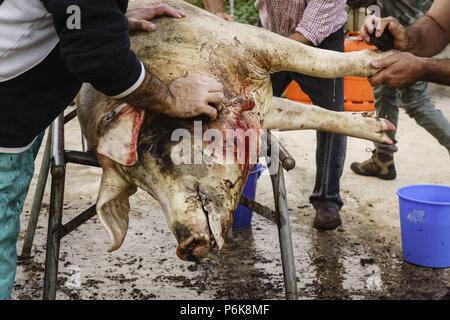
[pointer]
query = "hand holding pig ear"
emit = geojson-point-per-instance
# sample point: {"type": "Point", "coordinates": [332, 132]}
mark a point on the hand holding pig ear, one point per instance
{"type": "Point", "coordinates": [378, 25]}
{"type": "Point", "coordinates": [139, 18]}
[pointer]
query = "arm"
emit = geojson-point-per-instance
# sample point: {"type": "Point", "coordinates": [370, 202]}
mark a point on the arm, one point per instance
{"type": "Point", "coordinates": [403, 69]}
{"type": "Point", "coordinates": [426, 38]}
{"type": "Point", "coordinates": [99, 53]}
{"type": "Point", "coordinates": [218, 8]}
{"type": "Point", "coordinates": [436, 70]}
{"type": "Point", "coordinates": [214, 6]}
{"type": "Point", "coordinates": [297, 36]}
{"type": "Point", "coordinates": [431, 34]}
{"type": "Point", "coordinates": [184, 98]}
{"type": "Point", "coordinates": [320, 19]}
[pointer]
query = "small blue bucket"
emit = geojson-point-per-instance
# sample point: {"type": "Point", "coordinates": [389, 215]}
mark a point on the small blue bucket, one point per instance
{"type": "Point", "coordinates": [425, 225]}
{"type": "Point", "coordinates": [243, 215]}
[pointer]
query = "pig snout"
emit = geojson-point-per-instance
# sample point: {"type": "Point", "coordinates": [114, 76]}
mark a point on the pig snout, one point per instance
{"type": "Point", "coordinates": [193, 246]}
{"type": "Point", "coordinates": [193, 249]}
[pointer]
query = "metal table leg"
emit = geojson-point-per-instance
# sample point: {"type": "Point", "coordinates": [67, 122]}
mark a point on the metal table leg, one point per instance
{"type": "Point", "coordinates": [37, 200]}
{"type": "Point", "coordinates": [284, 232]}
{"type": "Point", "coordinates": [55, 214]}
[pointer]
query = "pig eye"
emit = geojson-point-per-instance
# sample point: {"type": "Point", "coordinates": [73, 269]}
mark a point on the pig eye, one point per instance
{"type": "Point", "coordinates": [110, 116]}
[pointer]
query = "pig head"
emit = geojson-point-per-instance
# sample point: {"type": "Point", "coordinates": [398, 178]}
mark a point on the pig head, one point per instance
{"type": "Point", "coordinates": [136, 149]}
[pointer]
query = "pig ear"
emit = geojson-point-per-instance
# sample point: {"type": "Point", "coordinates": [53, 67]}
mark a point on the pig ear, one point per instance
{"type": "Point", "coordinates": [113, 206]}
{"type": "Point", "coordinates": [119, 134]}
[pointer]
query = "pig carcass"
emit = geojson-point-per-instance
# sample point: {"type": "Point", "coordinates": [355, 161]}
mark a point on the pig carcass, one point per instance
{"type": "Point", "coordinates": [135, 150]}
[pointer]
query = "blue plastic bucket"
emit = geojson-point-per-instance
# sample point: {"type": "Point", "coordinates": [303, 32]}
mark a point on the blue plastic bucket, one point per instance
{"type": "Point", "coordinates": [425, 225]}
{"type": "Point", "coordinates": [243, 215]}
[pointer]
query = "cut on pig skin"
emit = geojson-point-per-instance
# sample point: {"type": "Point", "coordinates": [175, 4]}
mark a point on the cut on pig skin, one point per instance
{"type": "Point", "coordinates": [135, 151]}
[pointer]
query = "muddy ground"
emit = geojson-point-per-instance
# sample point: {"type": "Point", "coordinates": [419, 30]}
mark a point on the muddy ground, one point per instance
{"type": "Point", "coordinates": [361, 260]}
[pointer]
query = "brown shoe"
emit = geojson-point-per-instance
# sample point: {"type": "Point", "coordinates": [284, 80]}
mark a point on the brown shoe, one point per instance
{"type": "Point", "coordinates": [327, 218]}
{"type": "Point", "coordinates": [381, 165]}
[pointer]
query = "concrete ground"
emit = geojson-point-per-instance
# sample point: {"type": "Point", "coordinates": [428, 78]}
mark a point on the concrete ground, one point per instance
{"type": "Point", "coordinates": [361, 260]}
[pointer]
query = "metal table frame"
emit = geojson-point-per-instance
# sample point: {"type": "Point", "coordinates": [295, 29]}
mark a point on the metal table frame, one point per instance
{"type": "Point", "coordinates": [54, 161]}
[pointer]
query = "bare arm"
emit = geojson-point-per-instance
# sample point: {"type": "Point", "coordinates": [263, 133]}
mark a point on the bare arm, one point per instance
{"type": "Point", "coordinates": [403, 69]}
{"type": "Point", "coordinates": [426, 38]}
{"type": "Point", "coordinates": [214, 6]}
{"type": "Point", "coordinates": [183, 98]}
{"type": "Point", "coordinates": [437, 71]}
{"type": "Point", "coordinates": [297, 36]}
{"type": "Point", "coordinates": [218, 8]}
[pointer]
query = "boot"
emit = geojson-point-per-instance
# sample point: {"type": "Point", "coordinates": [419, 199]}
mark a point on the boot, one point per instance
{"type": "Point", "coordinates": [380, 165]}
{"type": "Point", "coordinates": [327, 217]}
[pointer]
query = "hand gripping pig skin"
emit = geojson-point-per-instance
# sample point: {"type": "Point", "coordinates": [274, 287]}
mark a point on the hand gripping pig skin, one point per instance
{"type": "Point", "coordinates": [135, 149]}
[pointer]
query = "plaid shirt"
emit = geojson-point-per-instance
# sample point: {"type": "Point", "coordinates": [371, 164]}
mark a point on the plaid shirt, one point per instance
{"type": "Point", "coordinates": [314, 19]}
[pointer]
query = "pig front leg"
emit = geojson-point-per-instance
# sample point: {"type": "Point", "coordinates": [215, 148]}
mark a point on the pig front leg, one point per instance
{"type": "Point", "coordinates": [273, 53]}
{"type": "Point", "coordinates": [325, 63]}
{"type": "Point", "coordinates": [286, 115]}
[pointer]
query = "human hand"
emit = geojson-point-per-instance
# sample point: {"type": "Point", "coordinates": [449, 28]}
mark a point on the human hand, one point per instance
{"type": "Point", "coordinates": [193, 96]}
{"type": "Point", "coordinates": [398, 71]}
{"type": "Point", "coordinates": [378, 25]}
{"type": "Point", "coordinates": [296, 36]}
{"type": "Point", "coordinates": [139, 18]}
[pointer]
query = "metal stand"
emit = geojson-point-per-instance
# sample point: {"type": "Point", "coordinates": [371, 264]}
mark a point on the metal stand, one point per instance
{"type": "Point", "coordinates": [55, 160]}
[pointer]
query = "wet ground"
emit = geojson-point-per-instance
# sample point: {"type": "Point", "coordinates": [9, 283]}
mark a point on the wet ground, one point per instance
{"type": "Point", "coordinates": [361, 260]}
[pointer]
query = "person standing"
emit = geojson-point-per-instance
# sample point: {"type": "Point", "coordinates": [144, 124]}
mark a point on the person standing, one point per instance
{"type": "Point", "coordinates": [414, 99]}
{"type": "Point", "coordinates": [317, 23]}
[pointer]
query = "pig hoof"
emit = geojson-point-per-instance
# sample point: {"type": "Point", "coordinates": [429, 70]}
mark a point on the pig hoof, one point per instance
{"type": "Point", "coordinates": [386, 126]}
{"type": "Point", "coordinates": [378, 129]}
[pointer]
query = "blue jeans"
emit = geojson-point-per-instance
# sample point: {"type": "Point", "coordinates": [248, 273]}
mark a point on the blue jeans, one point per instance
{"type": "Point", "coordinates": [331, 148]}
{"type": "Point", "coordinates": [16, 171]}
{"type": "Point", "coordinates": [418, 105]}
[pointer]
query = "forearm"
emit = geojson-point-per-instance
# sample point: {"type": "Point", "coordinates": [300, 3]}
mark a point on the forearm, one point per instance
{"type": "Point", "coordinates": [300, 38]}
{"type": "Point", "coordinates": [151, 95]}
{"type": "Point", "coordinates": [436, 70]}
{"type": "Point", "coordinates": [214, 6]}
{"type": "Point", "coordinates": [426, 38]}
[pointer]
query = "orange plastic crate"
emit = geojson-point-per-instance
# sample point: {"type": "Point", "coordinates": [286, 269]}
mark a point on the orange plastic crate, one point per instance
{"type": "Point", "coordinates": [358, 93]}
{"type": "Point", "coordinates": [295, 92]}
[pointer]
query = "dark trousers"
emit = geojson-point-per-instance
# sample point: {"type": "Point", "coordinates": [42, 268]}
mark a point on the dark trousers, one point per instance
{"type": "Point", "coordinates": [331, 148]}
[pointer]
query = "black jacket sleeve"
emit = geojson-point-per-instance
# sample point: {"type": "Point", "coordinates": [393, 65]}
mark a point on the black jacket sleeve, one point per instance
{"type": "Point", "coordinates": [99, 51]}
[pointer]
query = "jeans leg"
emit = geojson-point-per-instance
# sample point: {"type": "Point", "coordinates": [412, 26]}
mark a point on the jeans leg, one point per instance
{"type": "Point", "coordinates": [419, 107]}
{"type": "Point", "coordinates": [387, 103]}
{"type": "Point", "coordinates": [16, 171]}
{"type": "Point", "coordinates": [331, 148]}
{"type": "Point", "coordinates": [280, 81]}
